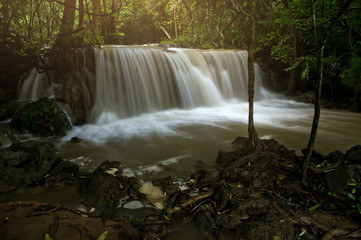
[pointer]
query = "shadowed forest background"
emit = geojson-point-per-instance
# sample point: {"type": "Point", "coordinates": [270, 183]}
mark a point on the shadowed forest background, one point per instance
{"type": "Point", "coordinates": [284, 45]}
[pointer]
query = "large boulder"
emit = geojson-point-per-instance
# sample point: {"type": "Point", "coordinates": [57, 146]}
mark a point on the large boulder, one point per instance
{"type": "Point", "coordinates": [41, 118]}
{"type": "Point", "coordinates": [353, 155]}
{"type": "Point", "coordinates": [32, 163]}
{"type": "Point", "coordinates": [270, 226]}
{"type": "Point", "coordinates": [337, 181]}
{"type": "Point", "coordinates": [104, 188]}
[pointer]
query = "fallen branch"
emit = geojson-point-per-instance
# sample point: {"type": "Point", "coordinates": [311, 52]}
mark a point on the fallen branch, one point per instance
{"type": "Point", "coordinates": [192, 201]}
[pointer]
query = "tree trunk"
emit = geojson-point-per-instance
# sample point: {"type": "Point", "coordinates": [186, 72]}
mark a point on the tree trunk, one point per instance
{"type": "Point", "coordinates": [175, 19]}
{"type": "Point", "coordinates": [96, 13]}
{"type": "Point", "coordinates": [31, 19]}
{"type": "Point", "coordinates": [81, 13]}
{"type": "Point", "coordinates": [316, 116]}
{"type": "Point", "coordinates": [112, 38]}
{"type": "Point", "coordinates": [319, 45]}
{"type": "Point", "coordinates": [67, 24]}
{"type": "Point", "coordinates": [252, 134]}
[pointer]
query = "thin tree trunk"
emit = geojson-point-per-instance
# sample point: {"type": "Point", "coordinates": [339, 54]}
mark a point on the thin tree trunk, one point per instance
{"type": "Point", "coordinates": [317, 114]}
{"type": "Point", "coordinates": [175, 20]}
{"type": "Point", "coordinates": [189, 12]}
{"type": "Point", "coordinates": [112, 38]}
{"type": "Point", "coordinates": [96, 11]}
{"type": "Point", "coordinates": [67, 23]}
{"type": "Point", "coordinates": [30, 18]}
{"type": "Point", "coordinates": [165, 31]}
{"type": "Point", "coordinates": [319, 45]}
{"type": "Point", "coordinates": [81, 13]}
{"type": "Point", "coordinates": [252, 134]}
{"type": "Point", "coordinates": [105, 23]}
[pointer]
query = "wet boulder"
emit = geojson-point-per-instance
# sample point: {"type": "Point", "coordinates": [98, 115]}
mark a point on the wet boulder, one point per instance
{"type": "Point", "coordinates": [270, 226]}
{"type": "Point", "coordinates": [104, 188]}
{"type": "Point", "coordinates": [224, 158]}
{"type": "Point", "coordinates": [337, 181]}
{"type": "Point", "coordinates": [26, 164]}
{"type": "Point", "coordinates": [205, 223]}
{"type": "Point", "coordinates": [334, 156]}
{"type": "Point", "coordinates": [353, 155]}
{"type": "Point", "coordinates": [41, 118]}
{"type": "Point", "coordinates": [166, 184]}
{"type": "Point", "coordinates": [204, 177]}
{"type": "Point", "coordinates": [242, 146]}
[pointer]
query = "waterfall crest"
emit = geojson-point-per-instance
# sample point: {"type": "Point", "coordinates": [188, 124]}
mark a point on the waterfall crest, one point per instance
{"type": "Point", "coordinates": [132, 80]}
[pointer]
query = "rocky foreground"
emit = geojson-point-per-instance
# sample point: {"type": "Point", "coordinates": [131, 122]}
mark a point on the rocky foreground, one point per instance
{"type": "Point", "coordinates": [249, 195]}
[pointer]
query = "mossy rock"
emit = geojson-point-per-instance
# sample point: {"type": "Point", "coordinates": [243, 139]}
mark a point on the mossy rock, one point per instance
{"type": "Point", "coordinates": [42, 118]}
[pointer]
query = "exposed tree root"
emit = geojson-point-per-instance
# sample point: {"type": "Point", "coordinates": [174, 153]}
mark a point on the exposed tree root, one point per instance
{"type": "Point", "coordinates": [340, 160]}
{"type": "Point", "coordinates": [192, 201]}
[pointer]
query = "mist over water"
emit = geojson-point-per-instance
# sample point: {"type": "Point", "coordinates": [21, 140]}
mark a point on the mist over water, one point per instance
{"type": "Point", "coordinates": [185, 137]}
{"type": "Point", "coordinates": [168, 111]}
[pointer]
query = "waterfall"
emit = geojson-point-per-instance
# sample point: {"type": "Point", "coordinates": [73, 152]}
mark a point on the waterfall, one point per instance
{"type": "Point", "coordinates": [133, 80]}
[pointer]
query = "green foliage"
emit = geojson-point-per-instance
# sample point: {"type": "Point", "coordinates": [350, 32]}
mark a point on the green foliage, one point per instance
{"type": "Point", "coordinates": [355, 194]}
{"type": "Point", "coordinates": [42, 116]}
{"type": "Point", "coordinates": [351, 78]}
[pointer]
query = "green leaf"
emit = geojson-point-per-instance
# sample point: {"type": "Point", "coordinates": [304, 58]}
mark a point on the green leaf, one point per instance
{"type": "Point", "coordinates": [103, 236]}
{"type": "Point", "coordinates": [351, 184]}
{"type": "Point", "coordinates": [332, 194]}
{"type": "Point", "coordinates": [305, 71]}
{"type": "Point", "coordinates": [303, 232]}
{"type": "Point", "coordinates": [317, 206]}
{"type": "Point", "coordinates": [166, 218]}
{"type": "Point", "coordinates": [350, 195]}
{"type": "Point", "coordinates": [140, 219]}
{"type": "Point", "coordinates": [207, 206]}
{"type": "Point", "coordinates": [47, 237]}
{"type": "Point", "coordinates": [225, 211]}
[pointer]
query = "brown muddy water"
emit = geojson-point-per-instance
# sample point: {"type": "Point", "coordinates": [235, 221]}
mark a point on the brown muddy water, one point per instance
{"type": "Point", "coordinates": [178, 142]}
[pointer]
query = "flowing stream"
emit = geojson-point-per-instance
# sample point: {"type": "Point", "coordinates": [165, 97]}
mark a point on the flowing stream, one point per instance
{"type": "Point", "coordinates": [167, 112]}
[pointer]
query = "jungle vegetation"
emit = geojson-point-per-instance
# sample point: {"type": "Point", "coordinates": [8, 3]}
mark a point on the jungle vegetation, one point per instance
{"type": "Point", "coordinates": [284, 37]}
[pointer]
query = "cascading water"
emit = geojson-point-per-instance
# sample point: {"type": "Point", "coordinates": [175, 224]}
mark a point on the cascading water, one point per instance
{"type": "Point", "coordinates": [161, 110]}
{"type": "Point", "coordinates": [137, 80]}
{"type": "Point", "coordinates": [130, 81]}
